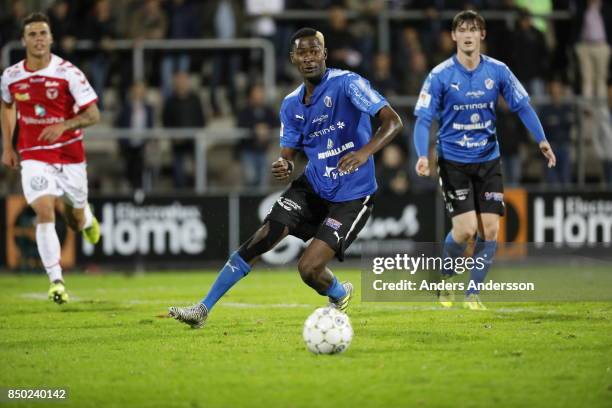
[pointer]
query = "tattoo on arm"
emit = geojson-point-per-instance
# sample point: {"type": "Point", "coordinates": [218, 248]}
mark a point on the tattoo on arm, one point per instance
{"type": "Point", "coordinates": [88, 117]}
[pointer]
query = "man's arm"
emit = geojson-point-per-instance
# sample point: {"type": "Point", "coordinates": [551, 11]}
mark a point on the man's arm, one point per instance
{"type": "Point", "coordinates": [88, 117]}
{"type": "Point", "coordinates": [421, 144]}
{"type": "Point", "coordinates": [389, 128]}
{"type": "Point", "coordinates": [8, 118]}
{"type": "Point", "coordinates": [283, 166]}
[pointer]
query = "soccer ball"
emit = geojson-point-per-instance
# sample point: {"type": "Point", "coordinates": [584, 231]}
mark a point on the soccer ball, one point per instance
{"type": "Point", "coordinates": [327, 331]}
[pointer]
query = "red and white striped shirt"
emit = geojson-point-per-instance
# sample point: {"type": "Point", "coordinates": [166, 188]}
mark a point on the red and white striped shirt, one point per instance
{"type": "Point", "coordinates": [43, 98]}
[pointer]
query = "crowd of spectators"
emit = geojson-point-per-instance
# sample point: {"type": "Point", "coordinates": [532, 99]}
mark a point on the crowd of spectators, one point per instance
{"type": "Point", "coordinates": [554, 58]}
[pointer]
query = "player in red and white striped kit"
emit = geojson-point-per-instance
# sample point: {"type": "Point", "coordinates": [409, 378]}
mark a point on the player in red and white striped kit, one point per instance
{"type": "Point", "coordinates": [52, 101]}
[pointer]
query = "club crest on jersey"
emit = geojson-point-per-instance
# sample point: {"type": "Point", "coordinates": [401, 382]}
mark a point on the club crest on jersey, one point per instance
{"type": "Point", "coordinates": [475, 118]}
{"type": "Point", "coordinates": [327, 101]}
{"type": "Point", "coordinates": [39, 110]}
{"type": "Point", "coordinates": [52, 93]}
{"type": "Point", "coordinates": [330, 144]}
{"type": "Point", "coordinates": [39, 183]}
{"type": "Point", "coordinates": [489, 83]}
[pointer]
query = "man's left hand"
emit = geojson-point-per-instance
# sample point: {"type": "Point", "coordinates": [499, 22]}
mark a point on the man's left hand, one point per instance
{"type": "Point", "coordinates": [547, 151]}
{"type": "Point", "coordinates": [351, 161]}
{"type": "Point", "coordinates": [51, 133]}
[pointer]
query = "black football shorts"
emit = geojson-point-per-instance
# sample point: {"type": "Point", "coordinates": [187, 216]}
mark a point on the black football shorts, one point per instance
{"type": "Point", "coordinates": [472, 187]}
{"type": "Point", "coordinates": [307, 215]}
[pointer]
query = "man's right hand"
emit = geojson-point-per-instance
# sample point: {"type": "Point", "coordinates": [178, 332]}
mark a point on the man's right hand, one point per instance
{"type": "Point", "coordinates": [9, 158]}
{"type": "Point", "coordinates": [281, 169]}
{"type": "Point", "coordinates": [422, 166]}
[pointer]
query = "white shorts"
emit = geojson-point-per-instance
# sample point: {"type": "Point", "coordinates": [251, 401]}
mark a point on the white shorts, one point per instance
{"type": "Point", "coordinates": [62, 180]}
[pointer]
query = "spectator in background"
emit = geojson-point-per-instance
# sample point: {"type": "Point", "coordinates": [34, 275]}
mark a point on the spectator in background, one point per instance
{"type": "Point", "coordinates": [593, 36]}
{"type": "Point", "coordinates": [511, 135]}
{"type": "Point", "coordinates": [444, 50]}
{"type": "Point", "coordinates": [63, 29]}
{"type": "Point", "coordinates": [342, 50]}
{"type": "Point", "coordinates": [136, 114]}
{"type": "Point", "coordinates": [101, 29]}
{"type": "Point", "coordinates": [149, 22]}
{"type": "Point", "coordinates": [10, 26]}
{"type": "Point", "coordinates": [529, 57]}
{"type": "Point", "coordinates": [260, 119]}
{"type": "Point", "coordinates": [393, 172]}
{"type": "Point", "coordinates": [223, 19]}
{"type": "Point", "coordinates": [182, 109]}
{"type": "Point", "coordinates": [381, 78]}
{"type": "Point", "coordinates": [558, 119]}
{"type": "Point", "coordinates": [183, 24]}
{"type": "Point", "coordinates": [416, 73]}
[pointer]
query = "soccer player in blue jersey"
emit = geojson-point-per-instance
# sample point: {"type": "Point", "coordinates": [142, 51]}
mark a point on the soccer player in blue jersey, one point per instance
{"type": "Point", "coordinates": [461, 93]}
{"type": "Point", "coordinates": [327, 118]}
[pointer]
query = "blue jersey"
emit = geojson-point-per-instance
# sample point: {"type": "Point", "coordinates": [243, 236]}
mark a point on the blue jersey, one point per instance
{"type": "Point", "coordinates": [464, 104]}
{"type": "Point", "coordinates": [335, 122]}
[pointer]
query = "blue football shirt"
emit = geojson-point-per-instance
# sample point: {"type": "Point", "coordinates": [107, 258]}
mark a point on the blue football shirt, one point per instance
{"type": "Point", "coordinates": [335, 122]}
{"type": "Point", "coordinates": [464, 104]}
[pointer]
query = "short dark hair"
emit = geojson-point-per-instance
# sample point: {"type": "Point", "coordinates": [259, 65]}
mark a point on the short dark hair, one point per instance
{"type": "Point", "coordinates": [469, 16]}
{"type": "Point", "coordinates": [306, 32]}
{"type": "Point", "coordinates": [34, 18]}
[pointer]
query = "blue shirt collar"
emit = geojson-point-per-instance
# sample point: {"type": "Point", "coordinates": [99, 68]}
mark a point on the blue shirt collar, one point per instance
{"type": "Point", "coordinates": [464, 69]}
{"type": "Point", "coordinates": [317, 90]}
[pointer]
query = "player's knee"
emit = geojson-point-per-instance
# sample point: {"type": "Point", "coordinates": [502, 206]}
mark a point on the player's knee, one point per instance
{"type": "Point", "coordinates": [309, 270]}
{"type": "Point", "coordinates": [44, 214]}
{"type": "Point", "coordinates": [263, 240]}
{"type": "Point", "coordinates": [490, 231]}
{"type": "Point", "coordinates": [464, 232]}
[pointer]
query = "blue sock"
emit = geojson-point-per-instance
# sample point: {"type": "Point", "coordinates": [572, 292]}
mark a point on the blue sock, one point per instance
{"type": "Point", "coordinates": [336, 290]}
{"type": "Point", "coordinates": [486, 251]}
{"type": "Point", "coordinates": [234, 269]}
{"type": "Point", "coordinates": [453, 250]}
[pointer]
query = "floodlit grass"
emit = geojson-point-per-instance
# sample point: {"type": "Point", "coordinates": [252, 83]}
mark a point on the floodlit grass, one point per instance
{"type": "Point", "coordinates": [110, 348]}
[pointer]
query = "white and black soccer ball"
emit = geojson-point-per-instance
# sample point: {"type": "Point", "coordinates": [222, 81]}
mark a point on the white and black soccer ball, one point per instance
{"type": "Point", "coordinates": [327, 331]}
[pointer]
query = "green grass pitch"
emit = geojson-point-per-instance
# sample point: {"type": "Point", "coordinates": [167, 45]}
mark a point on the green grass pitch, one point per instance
{"type": "Point", "coordinates": [110, 348]}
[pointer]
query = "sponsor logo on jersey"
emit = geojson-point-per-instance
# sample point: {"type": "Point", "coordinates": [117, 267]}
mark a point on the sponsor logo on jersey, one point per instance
{"type": "Point", "coordinates": [320, 119]}
{"type": "Point", "coordinates": [330, 144]}
{"type": "Point", "coordinates": [325, 131]}
{"type": "Point", "coordinates": [39, 183]}
{"type": "Point", "coordinates": [50, 84]}
{"type": "Point", "coordinates": [42, 121]}
{"type": "Point", "coordinates": [39, 110]}
{"type": "Point", "coordinates": [300, 117]}
{"type": "Point", "coordinates": [489, 83]}
{"type": "Point", "coordinates": [424, 100]}
{"type": "Point", "coordinates": [474, 94]}
{"type": "Point", "coordinates": [335, 152]}
{"type": "Point", "coordinates": [23, 86]}
{"type": "Point", "coordinates": [472, 126]}
{"type": "Point", "coordinates": [327, 101]}
{"type": "Point", "coordinates": [333, 223]}
{"type": "Point", "coordinates": [470, 144]}
{"type": "Point", "coordinates": [36, 80]}
{"type": "Point", "coordinates": [455, 86]}
{"type": "Point", "coordinates": [334, 173]}
{"type": "Point", "coordinates": [494, 196]}
{"type": "Point", "coordinates": [469, 106]}
{"type": "Point", "coordinates": [22, 97]}
{"type": "Point", "coordinates": [475, 118]}
{"type": "Point", "coordinates": [459, 195]}
{"type": "Point", "coordinates": [288, 204]}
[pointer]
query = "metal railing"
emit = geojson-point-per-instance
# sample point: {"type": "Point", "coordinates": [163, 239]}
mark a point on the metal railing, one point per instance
{"type": "Point", "coordinates": [203, 139]}
{"type": "Point", "coordinates": [139, 48]}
